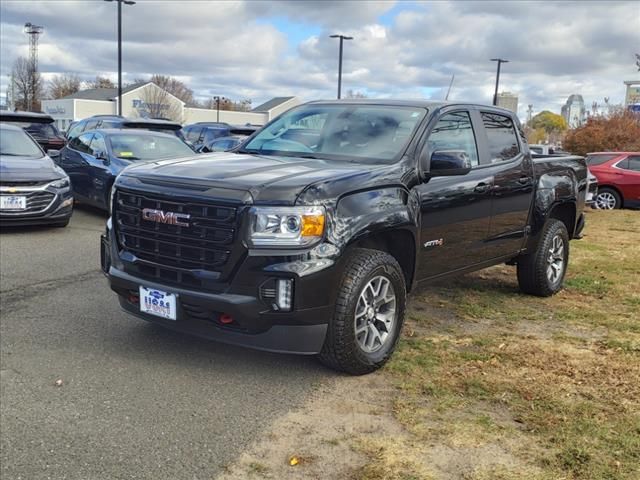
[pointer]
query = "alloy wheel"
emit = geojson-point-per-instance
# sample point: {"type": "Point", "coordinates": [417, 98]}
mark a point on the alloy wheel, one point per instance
{"type": "Point", "coordinates": [555, 259]}
{"type": "Point", "coordinates": [605, 201]}
{"type": "Point", "coordinates": [375, 314]}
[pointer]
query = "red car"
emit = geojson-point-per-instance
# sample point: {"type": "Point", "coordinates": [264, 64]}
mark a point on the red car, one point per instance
{"type": "Point", "coordinates": [618, 175]}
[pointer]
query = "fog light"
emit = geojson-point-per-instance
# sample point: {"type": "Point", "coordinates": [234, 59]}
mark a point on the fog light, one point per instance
{"type": "Point", "coordinates": [284, 294]}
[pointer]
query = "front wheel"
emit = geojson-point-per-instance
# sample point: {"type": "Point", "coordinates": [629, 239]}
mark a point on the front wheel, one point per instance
{"type": "Point", "coordinates": [541, 272]}
{"type": "Point", "coordinates": [370, 307]}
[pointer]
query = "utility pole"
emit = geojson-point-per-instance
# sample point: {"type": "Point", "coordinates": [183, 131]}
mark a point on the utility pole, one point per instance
{"type": "Point", "coordinates": [120, 2]}
{"type": "Point", "coordinates": [34, 32]}
{"type": "Point", "coordinates": [342, 39]}
{"type": "Point", "coordinates": [500, 62]}
{"type": "Point", "coordinates": [529, 114]}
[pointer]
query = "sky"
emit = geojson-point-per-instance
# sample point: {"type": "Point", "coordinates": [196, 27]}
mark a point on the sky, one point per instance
{"type": "Point", "coordinates": [259, 49]}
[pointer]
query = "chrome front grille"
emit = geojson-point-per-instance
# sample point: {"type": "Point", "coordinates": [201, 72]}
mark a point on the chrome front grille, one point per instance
{"type": "Point", "coordinates": [37, 201]}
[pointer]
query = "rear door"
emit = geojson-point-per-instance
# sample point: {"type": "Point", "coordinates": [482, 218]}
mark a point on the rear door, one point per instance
{"type": "Point", "coordinates": [513, 183]}
{"type": "Point", "coordinates": [455, 210]}
{"type": "Point", "coordinates": [628, 179]}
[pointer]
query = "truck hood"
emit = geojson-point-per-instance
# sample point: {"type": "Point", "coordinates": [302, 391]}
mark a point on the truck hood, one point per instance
{"type": "Point", "coordinates": [268, 179]}
{"type": "Point", "coordinates": [28, 169]}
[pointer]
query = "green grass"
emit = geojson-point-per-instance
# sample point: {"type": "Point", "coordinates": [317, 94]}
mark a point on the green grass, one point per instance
{"type": "Point", "coordinates": [554, 382]}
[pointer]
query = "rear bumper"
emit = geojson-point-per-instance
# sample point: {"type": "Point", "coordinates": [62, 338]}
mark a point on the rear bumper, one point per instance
{"type": "Point", "coordinates": [255, 324]}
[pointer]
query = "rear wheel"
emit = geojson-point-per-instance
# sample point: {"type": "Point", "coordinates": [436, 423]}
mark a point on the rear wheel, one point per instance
{"type": "Point", "coordinates": [369, 314]}
{"type": "Point", "coordinates": [608, 199]}
{"type": "Point", "coordinates": [541, 273]}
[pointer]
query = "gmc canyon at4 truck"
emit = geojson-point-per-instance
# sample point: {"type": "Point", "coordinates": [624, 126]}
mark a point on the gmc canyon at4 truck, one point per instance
{"type": "Point", "coordinates": [308, 237]}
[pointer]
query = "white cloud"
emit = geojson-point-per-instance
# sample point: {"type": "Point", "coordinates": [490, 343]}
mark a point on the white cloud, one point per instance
{"type": "Point", "coordinates": [244, 49]}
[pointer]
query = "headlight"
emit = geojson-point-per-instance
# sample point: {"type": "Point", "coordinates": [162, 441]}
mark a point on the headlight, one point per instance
{"type": "Point", "coordinates": [286, 226]}
{"type": "Point", "coordinates": [62, 183]}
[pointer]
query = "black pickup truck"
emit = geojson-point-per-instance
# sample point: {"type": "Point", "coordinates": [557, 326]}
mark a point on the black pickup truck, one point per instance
{"type": "Point", "coordinates": [308, 237]}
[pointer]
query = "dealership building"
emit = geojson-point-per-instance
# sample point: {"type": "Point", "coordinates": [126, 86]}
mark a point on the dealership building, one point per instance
{"type": "Point", "coordinates": [149, 100]}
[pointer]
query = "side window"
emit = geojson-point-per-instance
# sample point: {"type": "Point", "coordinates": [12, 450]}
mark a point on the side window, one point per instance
{"type": "Point", "coordinates": [83, 142]}
{"type": "Point", "coordinates": [454, 132]}
{"type": "Point", "coordinates": [623, 164]}
{"type": "Point", "coordinates": [536, 149]}
{"type": "Point", "coordinates": [193, 134]}
{"type": "Point", "coordinates": [634, 163]}
{"type": "Point", "coordinates": [91, 124]}
{"type": "Point", "coordinates": [501, 135]}
{"type": "Point", "coordinates": [97, 145]}
{"type": "Point", "coordinates": [75, 130]}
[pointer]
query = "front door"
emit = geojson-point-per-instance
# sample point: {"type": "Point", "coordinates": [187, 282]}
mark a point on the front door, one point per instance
{"type": "Point", "coordinates": [455, 210]}
{"type": "Point", "coordinates": [75, 160]}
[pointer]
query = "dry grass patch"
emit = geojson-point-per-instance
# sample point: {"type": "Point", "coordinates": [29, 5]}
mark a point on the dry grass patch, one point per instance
{"type": "Point", "coordinates": [554, 382]}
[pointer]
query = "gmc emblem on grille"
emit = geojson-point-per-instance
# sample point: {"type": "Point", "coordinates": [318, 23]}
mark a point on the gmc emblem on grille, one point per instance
{"type": "Point", "coordinates": [171, 218]}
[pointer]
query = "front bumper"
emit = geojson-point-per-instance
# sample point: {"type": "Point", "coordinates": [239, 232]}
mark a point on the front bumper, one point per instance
{"type": "Point", "coordinates": [255, 324]}
{"type": "Point", "coordinates": [58, 210]}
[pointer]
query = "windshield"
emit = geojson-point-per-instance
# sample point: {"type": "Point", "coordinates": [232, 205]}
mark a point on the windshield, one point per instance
{"type": "Point", "coordinates": [147, 147]}
{"type": "Point", "coordinates": [17, 143]}
{"type": "Point", "coordinates": [370, 133]}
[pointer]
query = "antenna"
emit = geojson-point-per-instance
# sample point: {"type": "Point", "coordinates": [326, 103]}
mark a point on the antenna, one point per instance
{"type": "Point", "coordinates": [34, 32]}
{"type": "Point", "coordinates": [450, 84]}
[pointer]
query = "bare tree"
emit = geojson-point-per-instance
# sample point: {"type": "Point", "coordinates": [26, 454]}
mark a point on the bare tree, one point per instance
{"type": "Point", "coordinates": [174, 86]}
{"type": "Point", "coordinates": [157, 103]}
{"type": "Point", "coordinates": [101, 82]}
{"type": "Point", "coordinates": [356, 94]}
{"type": "Point", "coordinates": [62, 85]}
{"type": "Point", "coordinates": [227, 104]}
{"type": "Point", "coordinates": [27, 85]}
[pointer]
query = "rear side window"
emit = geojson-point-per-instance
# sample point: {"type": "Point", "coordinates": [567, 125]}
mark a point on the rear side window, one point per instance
{"type": "Point", "coordinates": [599, 159]}
{"type": "Point", "coordinates": [454, 132]}
{"type": "Point", "coordinates": [632, 163]}
{"type": "Point", "coordinates": [501, 136]}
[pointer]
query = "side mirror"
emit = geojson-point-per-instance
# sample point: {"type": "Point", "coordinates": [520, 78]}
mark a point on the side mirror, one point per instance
{"type": "Point", "coordinates": [53, 153]}
{"type": "Point", "coordinates": [449, 162]}
{"type": "Point", "coordinates": [100, 155]}
{"type": "Point", "coordinates": [204, 149]}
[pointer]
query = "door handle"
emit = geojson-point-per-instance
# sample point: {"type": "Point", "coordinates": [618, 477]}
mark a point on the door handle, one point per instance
{"type": "Point", "coordinates": [524, 180]}
{"type": "Point", "coordinates": [482, 188]}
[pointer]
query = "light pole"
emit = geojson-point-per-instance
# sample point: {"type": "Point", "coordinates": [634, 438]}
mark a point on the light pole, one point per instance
{"type": "Point", "coordinates": [342, 39]}
{"type": "Point", "coordinates": [500, 62]}
{"type": "Point", "coordinates": [217, 99]}
{"type": "Point", "coordinates": [120, 2]}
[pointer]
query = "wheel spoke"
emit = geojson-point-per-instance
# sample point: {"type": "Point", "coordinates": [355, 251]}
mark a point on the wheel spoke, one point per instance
{"type": "Point", "coordinates": [375, 314]}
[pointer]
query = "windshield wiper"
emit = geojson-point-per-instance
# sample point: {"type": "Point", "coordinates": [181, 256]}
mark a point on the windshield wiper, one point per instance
{"type": "Point", "coordinates": [128, 157]}
{"type": "Point", "coordinates": [9, 154]}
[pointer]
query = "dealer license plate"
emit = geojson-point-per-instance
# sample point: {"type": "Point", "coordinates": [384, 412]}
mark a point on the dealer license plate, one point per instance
{"type": "Point", "coordinates": [13, 202]}
{"type": "Point", "coordinates": [158, 303]}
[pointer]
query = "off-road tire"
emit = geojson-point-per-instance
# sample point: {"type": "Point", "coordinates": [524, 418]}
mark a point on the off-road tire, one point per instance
{"type": "Point", "coordinates": [341, 350]}
{"type": "Point", "coordinates": [532, 268]}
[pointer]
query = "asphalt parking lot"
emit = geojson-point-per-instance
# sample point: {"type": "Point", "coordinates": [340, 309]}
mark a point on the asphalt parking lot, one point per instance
{"type": "Point", "coordinates": [136, 401]}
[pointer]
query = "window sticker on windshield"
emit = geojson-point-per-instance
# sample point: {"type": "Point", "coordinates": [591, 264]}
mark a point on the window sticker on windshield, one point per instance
{"type": "Point", "coordinates": [126, 154]}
